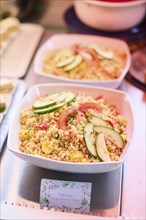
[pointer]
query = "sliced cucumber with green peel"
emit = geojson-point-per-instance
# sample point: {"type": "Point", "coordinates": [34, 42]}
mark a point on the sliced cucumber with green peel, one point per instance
{"type": "Point", "coordinates": [101, 148]}
{"type": "Point", "coordinates": [78, 59]}
{"type": "Point", "coordinates": [60, 98]}
{"type": "Point", "coordinates": [98, 121]}
{"type": "Point", "coordinates": [69, 97]}
{"type": "Point", "coordinates": [54, 99]}
{"type": "Point", "coordinates": [52, 96]}
{"type": "Point", "coordinates": [43, 104]}
{"type": "Point", "coordinates": [65, 62]}
{"type": "Point", "coordinates": [49, 109]}
{"type": "Point", "coordinates": [63, 53]}
{"type": "Point", "coordinates": [103, 53]}
{"type": "Point", "coordinates": [89, 139]}
{"type": "Point", "coordinates": [113, 135]}
{"type": "Point", "coordinates": [106, 54]}
{"type": "Point", "coordinates": [48, 101]}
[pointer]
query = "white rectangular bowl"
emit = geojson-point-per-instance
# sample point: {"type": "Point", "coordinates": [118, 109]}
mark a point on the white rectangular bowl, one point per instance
{"type": "Point", "coordinates": [118, 98]}
{"type": "Point", "coordinates": [62, 40]}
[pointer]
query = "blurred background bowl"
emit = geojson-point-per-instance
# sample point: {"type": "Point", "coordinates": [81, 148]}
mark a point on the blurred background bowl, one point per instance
{"type": "Point", "coordinates": [110, 16]}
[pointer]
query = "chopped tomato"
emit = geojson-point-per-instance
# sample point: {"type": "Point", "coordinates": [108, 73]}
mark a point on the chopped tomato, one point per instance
{"type": "Point", "coordinates": [85, 152]}
{"type": "Point", "coordinates": [117, 149]}
{"type": "Point", "coordinates": [90, 105]}
{"type": "Point", "coordinates": [92, 52]}
{"type": "Point", "coordinates": [99, 97]}
{"type": "Point", "coordinates": [43, 126]}
{"type": "Point", "coordinates": [91, 62]}
{"type": "Point", "coordinates": [22, 145]}
{"type": "Point", "coordinates": [116, 113]}
{"type": "Point", "coordinates": [80, 141]}
{"type": "Point", "coordinates": [107, 74]}
{"type": "Point", "coordinates": [112, 109]}
{"type": "Point", "coordinates": [75, 48]}
{"type": "Point", "coordinates": [80, 114]}
{"type": "Point", "coordinates": [109, 121]}
{"type": "Point", "coordinates": [78, 50]}
{"type": "Point", "coordinates": [62, 121]}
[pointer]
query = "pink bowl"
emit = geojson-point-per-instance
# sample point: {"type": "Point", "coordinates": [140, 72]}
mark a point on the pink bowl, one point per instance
{"type": "Point", "coordinates": [117, 1]}
{"type": "Point", "coordinates": [110, 15]}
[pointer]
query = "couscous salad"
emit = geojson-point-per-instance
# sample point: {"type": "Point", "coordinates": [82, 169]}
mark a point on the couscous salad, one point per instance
{"type": "Point", "coordinates": [85, 62]}
{"type": "Point", "coordinates": [73, 127]}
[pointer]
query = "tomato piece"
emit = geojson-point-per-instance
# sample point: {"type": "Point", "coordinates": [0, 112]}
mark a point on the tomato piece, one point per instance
{"type": "Point", "coordinates": [99, 97]}
{"type": "Point", "coordinates": [80, 114]}
{"type": "Point", "coordinates": [80, 141]}
{"type": "Point", "coordinates": [116, 113]}
{"type": "Point", "coordinates": [92, 52]}
{"type": "Point", "coordinates": [75, 48]}
{"type": "Point", "coordinates": [110, 123]}
{"type": "Point", "coordinates": [90, 105]}
{"type": "Point", "coordinates": [110, 75]}
{"type": "Point", "coordinates": [62, 121]}
{"type": "Point", "coordinates": [78, 50]}
{"type": "Point", "coordinates": [117, 149]}
{"type": "Point", "coordinates": [43, 126]}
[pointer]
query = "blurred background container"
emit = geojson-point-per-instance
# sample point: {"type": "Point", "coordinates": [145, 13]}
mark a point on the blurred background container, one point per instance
{"type": "Point", "coordinates": [8, 8]}
{"type": "Point", "coordinates": [60, 16]}
{"type": "Point", "coordinates": [110, 16]}
{"type": "Point", "coordinates": [15, 8]}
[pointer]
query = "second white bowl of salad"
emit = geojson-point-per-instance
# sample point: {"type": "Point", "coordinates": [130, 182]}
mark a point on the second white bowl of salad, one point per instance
{"type": "Point", "coordinates": [75, 58]}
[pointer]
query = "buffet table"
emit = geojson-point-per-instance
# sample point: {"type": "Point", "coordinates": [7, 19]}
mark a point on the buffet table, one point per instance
{"type": "Point", "coordinates": [118, 194]}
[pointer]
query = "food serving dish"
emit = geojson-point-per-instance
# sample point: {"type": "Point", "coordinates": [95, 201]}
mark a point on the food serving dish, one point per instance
{"type": "Point", "coordinates": [117, 98]}
{"type": "Point", "coordinates": [7, 88]}
{"type": "Point", "coordinates": [15, 89]}
{"type": "Point", "coordinates": [86, 72]}
{"type": "Point", "coordinates": [17, 67]}
{"type": "Point", "coordinates": [110, 15]}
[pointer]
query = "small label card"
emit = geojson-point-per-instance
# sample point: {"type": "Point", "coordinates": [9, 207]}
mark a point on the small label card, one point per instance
{"type": "Point", "coordinates": [65, 195]}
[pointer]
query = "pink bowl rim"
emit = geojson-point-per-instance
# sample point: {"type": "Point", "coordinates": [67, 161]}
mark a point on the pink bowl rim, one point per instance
{"type": "Point", "coordinates": [115, 4]}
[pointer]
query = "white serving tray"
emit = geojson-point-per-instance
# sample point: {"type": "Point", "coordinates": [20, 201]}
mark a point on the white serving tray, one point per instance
{"type": "Point", "coordinates": [17, 56]}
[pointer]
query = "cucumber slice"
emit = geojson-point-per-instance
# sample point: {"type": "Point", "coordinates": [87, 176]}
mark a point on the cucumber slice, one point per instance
{"type": "Point", "coordinates": [74, 64]}
{"type": "Point", "coordinates": [89, 139]}
{"type": "Point", "coordinates": [105, 54]}
{"type": "Point", "coordinates": [49, 101]}
{"type": "Point", "coordinates": [52, 97]}
{"type": "Point", "coordinates": [62, 53]}
{"type": "Point", "coordinates": [101, 148]}
{"type": "Point", "coordinates": [69, 97]}
{"type": "Point", "coordinates": [43, 104]}
{"type": "Point", "coordinates": [61, 98]}
{"type": "Point", "coordinates": [49, 109]}
{"type": "Point", "coordinates": [65, 62]}
{"type": "Point", "coordinates": [98, 121]}
{"type": "Point", "coordinates": [113, 135]}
